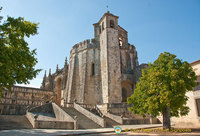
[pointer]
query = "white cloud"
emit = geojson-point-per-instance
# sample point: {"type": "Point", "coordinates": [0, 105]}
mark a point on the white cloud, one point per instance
{"type": "Point", "coordinates": [36, 83]}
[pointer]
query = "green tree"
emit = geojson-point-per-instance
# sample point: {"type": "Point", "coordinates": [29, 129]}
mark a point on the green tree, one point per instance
{"type": "Point", "coordinates": [162, 89]}
{"type": "Point", "coordinates": [17, 61]}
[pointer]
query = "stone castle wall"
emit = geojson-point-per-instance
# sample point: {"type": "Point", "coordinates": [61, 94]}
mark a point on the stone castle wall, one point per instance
{"type": "Point", "coordinates": [18, 99]}
{"type": "Point", "coordinates": [110, 46]}
{"type": "Point", "coordinates": [82, 85]}
{"type": "Point", "coordinates": [100, 70]}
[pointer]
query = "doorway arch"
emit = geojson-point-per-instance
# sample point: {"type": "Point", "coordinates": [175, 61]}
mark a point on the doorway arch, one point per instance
{"type": "Point", "coordinates": [127, 90]}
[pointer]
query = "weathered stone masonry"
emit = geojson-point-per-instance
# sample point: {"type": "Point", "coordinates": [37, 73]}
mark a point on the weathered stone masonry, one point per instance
{"type": "Point", "coordinates": [101, 70]}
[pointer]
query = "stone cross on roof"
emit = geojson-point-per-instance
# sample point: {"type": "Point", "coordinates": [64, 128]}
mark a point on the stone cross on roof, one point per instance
{"type": "Point", "coordinates": [107, 6]}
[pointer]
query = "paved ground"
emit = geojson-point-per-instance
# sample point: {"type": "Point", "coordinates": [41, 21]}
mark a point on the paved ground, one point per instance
{"type": "Point", "coordinates": [57, 132]}
{"type": "Point", "coordinates": [142, 134]}
{"type": "Point", "coordinates": [86, 132]}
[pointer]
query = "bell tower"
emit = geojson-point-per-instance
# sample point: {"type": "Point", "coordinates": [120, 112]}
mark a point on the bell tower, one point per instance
{"type": "Point", "coordinates": [110, 58]}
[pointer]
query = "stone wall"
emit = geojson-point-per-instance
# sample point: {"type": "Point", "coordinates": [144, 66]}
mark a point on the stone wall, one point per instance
{"type": "Point", "coordinates": [82, 84]}
{"type": "Point", "coordinates": [110, 60]}
{"type": "Point", "coordinates": [116, 118]}
{"type": "Point", "coordinates": [192, 119]}
{"type": "Point", "coordinates": [12, 109]}
{"type": "Point", "coordinates": [19, 99]}
{"type": "Point", "coordinates": [50, 116]}
{"type": "Point", "coordinates": [93, 80]}
{"type": "Point", "coordinates": [46, 108]}
{"type": "Point", "coordinates": [54, 124]}
{"type": "Point", "coordinates": [114, 70]}
{"type": "Point", "coordinates": [100, 121]}
{"type": "Point", "coordinates": [61, 115]}
{"type": "Point", "coordinates": [50, 123]}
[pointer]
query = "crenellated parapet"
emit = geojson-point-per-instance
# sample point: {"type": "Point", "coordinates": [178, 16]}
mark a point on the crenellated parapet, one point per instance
{"type": "Point", "coordinates": [86, 44]}
{"type": "Point", "coordinates": [131, 48]}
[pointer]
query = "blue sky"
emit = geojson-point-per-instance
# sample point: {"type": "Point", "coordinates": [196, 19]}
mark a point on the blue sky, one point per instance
{"type": "Point", "coordinates": [153, 26]}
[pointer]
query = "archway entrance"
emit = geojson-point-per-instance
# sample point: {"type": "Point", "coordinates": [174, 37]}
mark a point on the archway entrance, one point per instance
{"type": "Point", "coordinates": [127, 90]}
{"type": "Point", "coordinates": [124, 95]}
{"type": "Point", "coordinates": [58, 91]}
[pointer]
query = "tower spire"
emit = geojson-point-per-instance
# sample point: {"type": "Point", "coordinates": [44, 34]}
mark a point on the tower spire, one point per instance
{"type": "Point", "coordinates": [49, 72]}
{"type": "Point", "coordinates": [44, 80]}
{"type": "Point", "coordinates": [57, 68]}
{"type": "Point", "coordinates": [66, 61]}
{"type": "Point", "coordinates": [45, 74]}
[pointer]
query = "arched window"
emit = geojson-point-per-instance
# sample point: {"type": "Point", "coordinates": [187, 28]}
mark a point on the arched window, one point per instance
{"type": "Point", "coordinates": [102, 26]}
{"type": "Point", "coordinates": [92, 69]}
{"type": "Point", "coordinates": [112, 25]}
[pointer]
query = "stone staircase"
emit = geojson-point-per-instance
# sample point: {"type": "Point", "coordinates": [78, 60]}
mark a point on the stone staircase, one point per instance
{"type": "Point", "coordinates": [109, 121]}
{"type": "Point", "coordinates": [83, 121]}
{"type": "Point", "coordinates": [14, 122]}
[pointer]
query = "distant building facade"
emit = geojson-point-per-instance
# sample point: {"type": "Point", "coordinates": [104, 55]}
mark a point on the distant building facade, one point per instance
{"type": "Point", "coordinates": [193, 118]}
{"type": "Point", "coordinates": [102, 70]}
{"type": "Point", "coordinates": [18, 99]}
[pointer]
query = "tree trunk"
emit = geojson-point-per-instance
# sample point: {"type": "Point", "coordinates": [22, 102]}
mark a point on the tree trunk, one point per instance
{"type": "Point", "coordinates": [166, 119]}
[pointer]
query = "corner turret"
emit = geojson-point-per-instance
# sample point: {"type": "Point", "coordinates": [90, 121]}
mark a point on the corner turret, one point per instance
{"type": "Point", "coordinates": [44, 80]}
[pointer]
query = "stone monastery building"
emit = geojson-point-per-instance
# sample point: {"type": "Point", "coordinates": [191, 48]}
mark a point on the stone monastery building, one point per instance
{"type": "Point", "coordinates": [102, 70]}
{"type": "Point", "coordinates": [91, 90]}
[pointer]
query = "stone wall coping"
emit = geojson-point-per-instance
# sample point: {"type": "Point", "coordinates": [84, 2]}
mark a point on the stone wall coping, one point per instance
{"type": "Point", "coordinates": [86, 44]}
{"type": "Point", "coordinates": [48, 123]}
{"type": "Point", "coordinates": [23, 87]}
{"type": "Point", "coordinates": [100, 121]}
{"type": "Point", "coordinates": [116, 118]}
{"type": "Point", "coordinates": [67, 116]}
{"type": "Point", "coordinates": [30, 117]}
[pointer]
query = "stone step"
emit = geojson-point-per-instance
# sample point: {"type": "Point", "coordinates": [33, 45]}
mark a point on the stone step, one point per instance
{"type": "Point", "coordinates": [14, 122]}
{"type": "Point", "coordinates": [83, 121]}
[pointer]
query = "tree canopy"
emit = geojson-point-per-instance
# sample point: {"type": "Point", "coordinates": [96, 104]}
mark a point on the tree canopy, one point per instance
{"type": "Point", "coordinates": [162, 88]}
{"type": "Point", "coordinates": [17, 60]}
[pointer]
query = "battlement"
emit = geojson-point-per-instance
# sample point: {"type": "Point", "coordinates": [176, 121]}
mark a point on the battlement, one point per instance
{"type": "Point", "coordinates": [89, 43]}
{"type": "Point", "coordinates": [128, 47]}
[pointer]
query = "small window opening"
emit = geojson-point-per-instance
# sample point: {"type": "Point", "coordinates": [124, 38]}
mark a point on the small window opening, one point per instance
{"type": "Point", "coordinates": [102, 26]}
{"type": "Point", "coordinates": [99, 30]}
{"type": "Point", "coordinates": [120, 41]}
{"type": "Point", "coordinates": [198, 106]}
{"type": "Point", "coordinates": [112, 25]}
{"type": "Point", "coordinates": [93, 70]}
